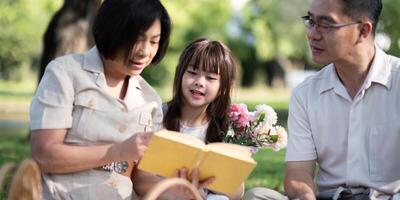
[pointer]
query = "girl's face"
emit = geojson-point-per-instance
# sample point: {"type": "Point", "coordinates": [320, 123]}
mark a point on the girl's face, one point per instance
{"type": "Point", "coordinates": [142, 54]}
{"type": "Point", "coordinates": [199, 88]}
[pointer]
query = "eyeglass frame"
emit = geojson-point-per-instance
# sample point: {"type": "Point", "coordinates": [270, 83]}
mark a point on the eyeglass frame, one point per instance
{"type": "Point", "coordinates": [328, 27]}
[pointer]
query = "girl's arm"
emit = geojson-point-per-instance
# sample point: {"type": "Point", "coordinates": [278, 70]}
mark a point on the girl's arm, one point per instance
{"type": "Point", "coordinates": [54, 156]}
{"type": "Point", "coordinates": [239, 193]}
{"type": "Point", "coordinates": [144, 181]}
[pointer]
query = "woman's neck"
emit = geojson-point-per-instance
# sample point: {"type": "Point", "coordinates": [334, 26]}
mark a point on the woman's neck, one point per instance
{"type": "Point", "coordinates": [193, 117]}
{"type": "Point", "coordinates": [116, 83]}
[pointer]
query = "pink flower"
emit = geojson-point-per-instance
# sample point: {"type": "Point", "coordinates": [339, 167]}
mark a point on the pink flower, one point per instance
{"type": "Point", "coordinates": [239, 114]}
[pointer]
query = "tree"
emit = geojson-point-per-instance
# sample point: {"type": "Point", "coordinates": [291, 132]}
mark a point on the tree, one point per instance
{"type": "Point", "coordinates": [277, 35]}
{"type": "Point", "coordinates": [69, 31]}
{"type": "Point", "coordinates": [21, 22]}
{"type": "Point", "coordinates": [389, 24]}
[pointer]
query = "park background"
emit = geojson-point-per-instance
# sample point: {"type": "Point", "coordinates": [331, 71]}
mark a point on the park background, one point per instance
{"type": "Point", "coordinates": [266, 36]}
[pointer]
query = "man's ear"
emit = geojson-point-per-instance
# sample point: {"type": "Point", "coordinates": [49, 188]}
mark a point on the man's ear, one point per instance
{"type": "Point", "coordinates": [365, 30]}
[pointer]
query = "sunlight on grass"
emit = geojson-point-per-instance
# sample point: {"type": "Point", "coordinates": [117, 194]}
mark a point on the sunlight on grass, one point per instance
{"type": "Point", "coordinates": [14, 145]}
{"type": "Point", "coordinates": [269, 172]}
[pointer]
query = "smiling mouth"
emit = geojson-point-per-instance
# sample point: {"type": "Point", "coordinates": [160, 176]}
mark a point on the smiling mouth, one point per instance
{"type": "Point", "coordinates": [196, 93]}
{"type": "Point", "coordinates": [136, 64]}
{"type": "Point", "coordinates": [315, 48]}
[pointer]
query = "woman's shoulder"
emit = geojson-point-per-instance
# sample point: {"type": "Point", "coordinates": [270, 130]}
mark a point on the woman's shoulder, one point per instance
{"type": "Point", "coordinates": [164, 108]}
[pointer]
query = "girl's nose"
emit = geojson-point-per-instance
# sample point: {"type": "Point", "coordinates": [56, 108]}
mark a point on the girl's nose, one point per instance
{"type": "Point", "coordinates": [199, 82]}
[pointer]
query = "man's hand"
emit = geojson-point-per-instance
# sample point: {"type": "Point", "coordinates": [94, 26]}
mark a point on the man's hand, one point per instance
{"type": "Point", "coordinates": [299, 180]}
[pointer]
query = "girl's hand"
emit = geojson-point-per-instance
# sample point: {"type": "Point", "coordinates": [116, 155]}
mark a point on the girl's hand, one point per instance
{"type": "Point", "coordinates": [134, 147]}
{"type": "Point", "coordinates": [183, 192]}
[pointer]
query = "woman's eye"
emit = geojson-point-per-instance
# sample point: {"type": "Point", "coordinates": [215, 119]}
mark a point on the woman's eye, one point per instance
{"type": "Point", "coordinates": [154, 42]}
{"type": "Point", "coordinates": [211, 78]}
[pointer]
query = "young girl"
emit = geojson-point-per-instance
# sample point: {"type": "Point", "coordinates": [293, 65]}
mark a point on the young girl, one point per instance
{"type": "Point", "coordinates": [201, 94]}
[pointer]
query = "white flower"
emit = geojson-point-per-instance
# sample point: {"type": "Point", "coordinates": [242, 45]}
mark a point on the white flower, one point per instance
{"type": "Point", "coordinates": [230, 132]}
{"type": "Point", "coordinates": [282, 138]}
{"type": "Point", "coordinates": [262, 129]}
{"type": "Point", "coordinates": [270, 115]}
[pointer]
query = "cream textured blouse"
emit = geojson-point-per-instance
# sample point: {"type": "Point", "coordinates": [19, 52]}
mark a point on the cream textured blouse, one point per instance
{"type": "Point", "coordinates": [73, 95]}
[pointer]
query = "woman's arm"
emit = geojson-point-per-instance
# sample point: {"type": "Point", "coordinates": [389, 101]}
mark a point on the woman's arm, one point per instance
{"type": "Point", "coordinates": [54, 156]}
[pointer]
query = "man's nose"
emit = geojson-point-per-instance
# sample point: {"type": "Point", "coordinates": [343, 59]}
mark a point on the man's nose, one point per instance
{"type": "Point", "coordinates": [313, 33]}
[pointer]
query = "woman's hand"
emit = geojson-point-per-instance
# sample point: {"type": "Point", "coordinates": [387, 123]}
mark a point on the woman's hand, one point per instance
{"type": "Point", "coordinates": [134, 147]}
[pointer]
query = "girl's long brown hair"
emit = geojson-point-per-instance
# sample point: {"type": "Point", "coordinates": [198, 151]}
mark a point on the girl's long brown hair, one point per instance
{"type": "Point", "coordinates": [210, 56]}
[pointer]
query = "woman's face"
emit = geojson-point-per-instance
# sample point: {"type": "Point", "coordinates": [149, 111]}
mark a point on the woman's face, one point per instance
{"type": "Point", "coordinates": [141, 56]}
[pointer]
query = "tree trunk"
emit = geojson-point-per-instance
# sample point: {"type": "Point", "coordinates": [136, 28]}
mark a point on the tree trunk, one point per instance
{"type": "Point", "coordinates": [69, 31]}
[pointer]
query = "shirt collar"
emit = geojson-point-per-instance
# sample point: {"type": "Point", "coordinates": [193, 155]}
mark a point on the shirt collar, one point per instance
{"type": "Point", "coordinates": [134, 82]}
{"type": "Point", "coordinates": [379, 72]}
{"type": "Point", "coordinates": [329, 78]}
{"type": "Point", "coordinates": [92, 61]}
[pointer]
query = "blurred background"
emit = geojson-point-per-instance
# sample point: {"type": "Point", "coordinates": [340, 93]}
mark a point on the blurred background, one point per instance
{"type": "Point", "coordinates": [266, 36]}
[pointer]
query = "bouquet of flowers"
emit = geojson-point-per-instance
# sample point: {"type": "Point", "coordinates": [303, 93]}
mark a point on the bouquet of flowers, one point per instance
{"type": "Point", "coordinates": [256, 129]}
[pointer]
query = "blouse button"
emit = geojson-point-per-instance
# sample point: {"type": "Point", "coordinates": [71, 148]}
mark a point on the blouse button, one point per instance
{"type": "Point", "coordinates": [90, 103]}
{"type": "Point", "coordinates": [123, 109]}
{"type": "Point", "coordinates": [122, 129]}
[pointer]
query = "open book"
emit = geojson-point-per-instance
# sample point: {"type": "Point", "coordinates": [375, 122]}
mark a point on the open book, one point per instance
{"type": "Point", "coordinates": [168, 151]}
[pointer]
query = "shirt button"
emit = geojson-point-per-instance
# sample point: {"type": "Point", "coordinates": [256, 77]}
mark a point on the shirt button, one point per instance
{"type": "Point", "coordinates": [122, 129]}
{"type": "Point", "coordinates": [123, 109]}
{"type": "Point", "coordinates": [90, 103]}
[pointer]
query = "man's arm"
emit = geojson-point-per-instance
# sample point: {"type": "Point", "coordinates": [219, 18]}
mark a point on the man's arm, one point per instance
{"type": "Point", "coordinates": [299, 179]}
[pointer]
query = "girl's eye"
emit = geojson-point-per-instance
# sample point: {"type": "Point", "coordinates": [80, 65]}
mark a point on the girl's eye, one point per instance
{"type": "Point", "coordinates": [154, 42]}
{"type": "Point", "coordinates": [191, 72]}
{"type": "Point", "coordinates": [211, 78]}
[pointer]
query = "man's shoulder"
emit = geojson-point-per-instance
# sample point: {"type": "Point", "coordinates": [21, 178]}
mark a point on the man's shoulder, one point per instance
{"type": "Point", "coordinates": [314, 81]}
{"type": "Point", "coordinates": [394, 62]}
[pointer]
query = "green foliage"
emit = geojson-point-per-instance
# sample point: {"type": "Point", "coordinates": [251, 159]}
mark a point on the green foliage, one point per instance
{"type": "Point", "coordinates": [190, 21]}
{"type": "Point", "coordinates": [22, 25]}
{"type": "Point", "coordinates": [389, 24]}
{"type": "Point", "coordinates": [276, 28]}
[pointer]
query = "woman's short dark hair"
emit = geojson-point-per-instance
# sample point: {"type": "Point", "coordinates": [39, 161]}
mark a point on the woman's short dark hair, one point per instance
{"type": "Point", "coordinates": [119, 23]}
{"type": "Point", "coordinates": [357, 9]}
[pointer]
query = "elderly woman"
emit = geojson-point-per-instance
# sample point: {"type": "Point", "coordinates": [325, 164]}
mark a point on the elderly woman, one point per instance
{"type": "Point", "coordinates": [90, 110]}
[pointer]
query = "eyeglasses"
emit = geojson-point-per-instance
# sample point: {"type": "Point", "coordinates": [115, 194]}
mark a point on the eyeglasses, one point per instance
{"type": "Point", "coordinates": [323, 27]}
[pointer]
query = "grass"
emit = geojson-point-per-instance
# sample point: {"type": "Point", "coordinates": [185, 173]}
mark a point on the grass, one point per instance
{"type": "Point", "coordinates": [269, 172]}
{"type": "Point", "coordinates": [14, 145]}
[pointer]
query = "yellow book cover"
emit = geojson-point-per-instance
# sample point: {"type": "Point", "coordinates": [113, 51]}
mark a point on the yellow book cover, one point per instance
{"type": "Point", "coordinates": [168, 151]}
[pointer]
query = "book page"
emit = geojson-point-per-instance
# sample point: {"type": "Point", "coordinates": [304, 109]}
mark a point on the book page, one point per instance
{"type": "Point", "coordinates": [181, 138]}
{"type": "Point", "coordinates": [230, 164]}
{"type": "Point", "coordinates": [169, 151]}
{"type": "Point", "coordinates": [232, 150]}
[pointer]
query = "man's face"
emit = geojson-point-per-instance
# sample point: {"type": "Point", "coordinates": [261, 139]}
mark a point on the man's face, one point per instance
{"type": "Point", "coordinates": [333, 36]}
